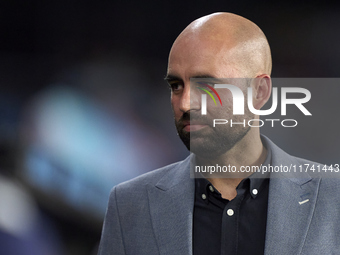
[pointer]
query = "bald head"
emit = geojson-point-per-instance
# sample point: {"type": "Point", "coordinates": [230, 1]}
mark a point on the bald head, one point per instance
{"type": "Point", "coordinates": [231, 39]}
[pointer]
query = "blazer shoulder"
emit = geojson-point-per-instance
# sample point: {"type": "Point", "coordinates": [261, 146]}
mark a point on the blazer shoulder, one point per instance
{"type": "Point", "coordinates": [139, 183]}
{"type": "Point", "coordinates": [306, 161]}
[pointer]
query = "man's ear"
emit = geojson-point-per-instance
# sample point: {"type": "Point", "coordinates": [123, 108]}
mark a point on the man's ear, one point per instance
{"type": "Point", "coordinates": [262, 88]}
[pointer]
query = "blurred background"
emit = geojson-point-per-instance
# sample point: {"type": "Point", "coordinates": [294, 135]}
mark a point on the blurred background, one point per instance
{"type": "Point", "coordinates": [83, 104]}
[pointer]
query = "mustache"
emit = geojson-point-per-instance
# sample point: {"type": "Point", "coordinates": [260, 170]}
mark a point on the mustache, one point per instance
{"type": "Point", "coordinates": [193, 117]}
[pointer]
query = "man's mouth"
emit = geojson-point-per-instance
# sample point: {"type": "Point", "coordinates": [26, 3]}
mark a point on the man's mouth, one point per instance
{"type": "Point", "coordinates": [190, 126]}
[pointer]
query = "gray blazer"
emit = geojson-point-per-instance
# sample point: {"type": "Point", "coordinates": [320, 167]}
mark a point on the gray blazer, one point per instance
{"type": "Point", "coordinates": [153, 213]}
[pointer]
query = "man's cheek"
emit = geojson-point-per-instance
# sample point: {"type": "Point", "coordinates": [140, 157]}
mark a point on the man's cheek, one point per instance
{"type": "Point", "coordinates": [177, 114]}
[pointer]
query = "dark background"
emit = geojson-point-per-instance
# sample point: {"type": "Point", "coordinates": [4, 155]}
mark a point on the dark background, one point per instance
{"type": "Point", "coordinates": [63, 59]}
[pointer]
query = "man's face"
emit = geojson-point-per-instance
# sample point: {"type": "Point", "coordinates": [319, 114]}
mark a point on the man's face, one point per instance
{"type": "Point", "coordinates": [200, 59]}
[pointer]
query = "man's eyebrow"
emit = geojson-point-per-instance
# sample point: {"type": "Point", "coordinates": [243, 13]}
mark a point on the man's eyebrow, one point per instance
{"type": "Point", "coordinates": [170, 77]}
{"type": "Point", "coordinates": [212, 79]}
{"type": "Point", "coordinates": [203, 76]}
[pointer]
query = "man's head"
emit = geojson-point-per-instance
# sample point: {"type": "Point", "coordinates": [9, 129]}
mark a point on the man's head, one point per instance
{"type": "Point", "coordinates": [220, 45]}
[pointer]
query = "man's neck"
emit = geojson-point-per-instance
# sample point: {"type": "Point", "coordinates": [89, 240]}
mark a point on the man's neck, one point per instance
{"type": "Point", "coordinates": [246, 153]}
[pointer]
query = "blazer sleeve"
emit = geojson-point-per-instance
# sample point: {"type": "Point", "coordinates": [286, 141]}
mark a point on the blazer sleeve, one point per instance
{"type": "Point", "coordinates": [111, 242]}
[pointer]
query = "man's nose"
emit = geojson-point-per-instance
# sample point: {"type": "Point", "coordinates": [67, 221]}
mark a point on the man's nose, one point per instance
{"type": "Point", "coordinates": [190, 99]}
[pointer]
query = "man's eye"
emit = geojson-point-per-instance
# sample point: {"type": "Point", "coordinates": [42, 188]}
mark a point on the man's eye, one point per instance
{"type": "Point", "coordinates": [176, 87]}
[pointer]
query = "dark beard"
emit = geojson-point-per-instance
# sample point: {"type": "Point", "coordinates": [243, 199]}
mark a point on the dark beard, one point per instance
{"type": "Point", "coordinates": [185, 136]}
{"type": "Point", "coordinates": [213, 144]}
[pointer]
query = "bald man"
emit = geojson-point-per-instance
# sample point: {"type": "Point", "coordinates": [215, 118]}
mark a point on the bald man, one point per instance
{"type": "Point", "coordinates": [168, 212]}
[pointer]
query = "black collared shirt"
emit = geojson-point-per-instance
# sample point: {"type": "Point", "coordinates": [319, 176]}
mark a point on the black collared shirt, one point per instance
{"type": "Point", "coordinates": [223, 227]}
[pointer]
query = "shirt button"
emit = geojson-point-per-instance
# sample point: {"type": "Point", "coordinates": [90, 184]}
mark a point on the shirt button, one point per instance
{"type": "Point", "coordinates": [230, 212]}
{"type": "Point", "coordinates": [255, 191]}
{"type": "Point", "coordinates": [204, 196]}
{"type": "Point", "coordinates": [211, 188]}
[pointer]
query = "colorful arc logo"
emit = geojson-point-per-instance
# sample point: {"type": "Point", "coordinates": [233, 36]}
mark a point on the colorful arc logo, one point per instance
{"type": "Point", "coordinates": [212, 89]}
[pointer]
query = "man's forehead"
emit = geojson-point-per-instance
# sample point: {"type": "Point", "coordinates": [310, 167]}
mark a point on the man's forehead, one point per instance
{"type": "Point", "coordinates": [199, 49]}
{"type": "Point", "coordinates": [204, 63]}
{"type": "Point", "coordinates": [212, 38]}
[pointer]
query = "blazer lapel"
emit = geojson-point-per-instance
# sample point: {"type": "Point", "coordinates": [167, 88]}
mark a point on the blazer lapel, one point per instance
{"type": "Point", "coordinates": [291, 205]}
{"type": "Point", "coordinates": [171, 203]}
